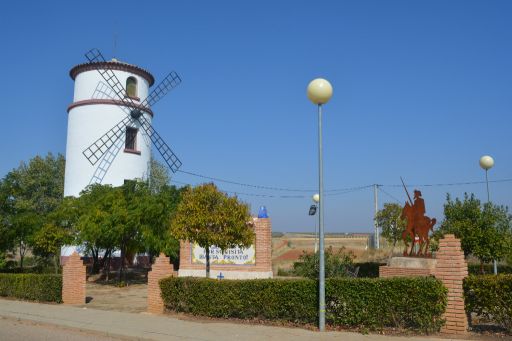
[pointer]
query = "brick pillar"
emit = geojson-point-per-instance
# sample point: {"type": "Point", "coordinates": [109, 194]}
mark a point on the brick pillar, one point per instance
{"type": "Point", "coordinates": [160, 269]}
{"type": "Point", "coordinates": [263, 244]}
{"type": "Point", "coordinates": [73, 280]}
{"type": "Point", "coordinates": [451, 269]}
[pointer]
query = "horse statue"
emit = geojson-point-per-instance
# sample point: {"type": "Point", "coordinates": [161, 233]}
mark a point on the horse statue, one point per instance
{"type": "Point", "coordinates": [416, 226]}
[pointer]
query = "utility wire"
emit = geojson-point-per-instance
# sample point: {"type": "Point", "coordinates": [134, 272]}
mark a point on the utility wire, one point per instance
{"type": "Point", "coordinates": [330, 192]}
{"type": "Point", "coordinates": [389, 195]}
{"type": "Point", "coordinates": [449, 184]}
{"type": "Point", "coordinates": [266, 187]}
{"type": "Point", "coordinates": [339, 192]}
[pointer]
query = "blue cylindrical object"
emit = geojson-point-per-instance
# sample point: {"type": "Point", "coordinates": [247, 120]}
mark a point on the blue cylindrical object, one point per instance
{"type": "Point", "coordinates": [262, 212]}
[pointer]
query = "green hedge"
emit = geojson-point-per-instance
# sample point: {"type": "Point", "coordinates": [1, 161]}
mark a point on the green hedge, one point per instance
{"type": "Point", "coordinates": [490, 297]}
{"type": "Point", "coordinates": [33, 287]}
{"type": "Point", "coordinates": [412, 303]}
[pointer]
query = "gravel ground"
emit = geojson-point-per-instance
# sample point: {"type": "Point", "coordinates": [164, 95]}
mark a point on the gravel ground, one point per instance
{"type": "Point", "coordinates": [130, 299]}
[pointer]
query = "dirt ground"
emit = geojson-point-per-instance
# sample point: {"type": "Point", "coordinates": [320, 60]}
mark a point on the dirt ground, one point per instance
{"type": "Point", "coordinates": [287, 249]}
{"type": "Point", "coordinates": [131, 298]}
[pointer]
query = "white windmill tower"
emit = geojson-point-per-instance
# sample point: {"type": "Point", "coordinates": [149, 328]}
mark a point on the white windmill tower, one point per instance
{"type": "Point", "coordinates": [109, 126]}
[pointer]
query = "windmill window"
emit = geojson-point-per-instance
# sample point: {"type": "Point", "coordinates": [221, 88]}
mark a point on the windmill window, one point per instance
{"type": "Point", "coordinates": [130, 144]}
{"type": "Point", "coordinates": [131, 87]}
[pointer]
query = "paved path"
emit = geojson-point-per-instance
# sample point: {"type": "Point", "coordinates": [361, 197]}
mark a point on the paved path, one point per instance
{"type": "Point", "coordinates": [154, 327]}
{"type": "Point", "coordinates": [15, 330]}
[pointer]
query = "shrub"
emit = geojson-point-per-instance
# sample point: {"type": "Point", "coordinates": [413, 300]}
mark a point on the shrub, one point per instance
{"type": "Point", "coordinates": [285, 272]}
{"type": "Point", "coordinates": [405, 303]}
{"type": "Point", "coordinates": [33, 287]}
{"type": "Point", "coordinates": [337, 264]}
{"type": "Point", "coordinates": [413, 303]}
{"type": "Point", "coordinates": [490, 297]}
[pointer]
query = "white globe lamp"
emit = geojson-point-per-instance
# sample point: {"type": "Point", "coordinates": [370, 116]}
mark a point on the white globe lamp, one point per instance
{"type": "Point", "coordinates": [316, 198]}
{"type": "Point", "coordinates": [486, 162]}
{"type": "Point", "coordinates": [319, 91]}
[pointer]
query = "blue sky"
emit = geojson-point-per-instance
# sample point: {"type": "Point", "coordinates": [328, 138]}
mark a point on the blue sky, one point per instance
{"type": "Point", "coordinates": [422, 89]}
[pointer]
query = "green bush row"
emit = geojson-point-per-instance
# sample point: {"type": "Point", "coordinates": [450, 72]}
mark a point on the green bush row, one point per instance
{"type": "Point", "coordinates": [33, 287]}
{"type": "Point", "coordinates": [490, 297]}
{"type": "Point", "coordinates": [408, 303]}
{"type": "Point", "coordinates": [474, 269]}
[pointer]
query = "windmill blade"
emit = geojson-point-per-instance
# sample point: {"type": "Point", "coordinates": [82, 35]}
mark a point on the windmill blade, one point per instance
{"type": "Point", "coordinates": [168, 155]}
{"type": "Point", "coordinates": [95, 151]}
{"type": "Point", "coordinates": [171, 81]}
{"type": "Point", "coordinates": [95, 56]}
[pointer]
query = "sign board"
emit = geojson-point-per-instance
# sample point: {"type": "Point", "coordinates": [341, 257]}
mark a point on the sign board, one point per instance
{"type": "Point", "coordinates": [233, 256]}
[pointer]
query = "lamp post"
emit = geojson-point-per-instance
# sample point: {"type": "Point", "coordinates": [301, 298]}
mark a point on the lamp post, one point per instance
{"type": "Point", "coordinates": [320, 92]}
{"type": "Point", "coordinates": [487, 162]}
{"type": "Point", "coordinates": [316, 199]}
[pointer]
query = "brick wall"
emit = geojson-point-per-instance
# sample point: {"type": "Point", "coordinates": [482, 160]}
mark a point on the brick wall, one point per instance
{"type": "Point", "coordinates": [389, 271]}
{"type": "Point", "coordinates": [263, 252]}
{"type": "Point", "coordinates": [160, 269]}
{"type": "Point", "coordinates": [73, 280]}
{"type": "Point", "coordinates": [451, 269]}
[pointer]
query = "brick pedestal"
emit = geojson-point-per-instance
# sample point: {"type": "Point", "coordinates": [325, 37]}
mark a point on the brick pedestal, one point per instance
{"type": "Point", "coordinates": [451, 269]}
{"type": "Point", "coordinates": [160, 269]}
{"type": "Point", "coordinates": [73, 280]}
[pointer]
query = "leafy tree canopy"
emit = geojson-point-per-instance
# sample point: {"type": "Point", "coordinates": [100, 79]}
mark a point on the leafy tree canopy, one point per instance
{"type": "Point", "coordinates": [209, 217]}
{"type": "Point", "coordinates": [485, 230]}
{"type": "Point", "coordinates": [388, 219]}
{"type": "Point", "coordinates": [28, 194]}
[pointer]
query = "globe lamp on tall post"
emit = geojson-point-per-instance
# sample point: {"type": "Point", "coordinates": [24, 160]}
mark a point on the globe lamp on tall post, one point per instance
{"type": "Point", "coordinates": [487, 162]}
{"type": "Point", "coordinates": [320, 92]}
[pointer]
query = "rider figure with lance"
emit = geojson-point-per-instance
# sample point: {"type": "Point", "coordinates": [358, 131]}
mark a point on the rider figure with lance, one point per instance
{"type": "Point", "coordinates": [419, 224]}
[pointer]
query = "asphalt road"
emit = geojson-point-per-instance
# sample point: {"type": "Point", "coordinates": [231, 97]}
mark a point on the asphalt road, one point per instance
{"type": "Point", "coordinates": [14, 330]}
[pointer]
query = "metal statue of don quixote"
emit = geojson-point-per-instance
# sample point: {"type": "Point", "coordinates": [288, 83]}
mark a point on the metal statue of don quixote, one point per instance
{"type": "Point", "coordinates": [418, 225]}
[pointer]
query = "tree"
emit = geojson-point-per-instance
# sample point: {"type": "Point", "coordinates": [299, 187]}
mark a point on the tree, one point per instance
{"type": "Point", "coordinates": [158, 177]}
{"type": "Point", "coordinates": [388, 219]}
{"type": "Point", "coordinates": [28, 194]}
{"type": "Point", "coordinates": [485, 231]}
{"type": "Point", "coordinates": [209, 217]}
{"type": "Point", "coordinates": [94, 226]}
{"type": "Point", "coordinates": [57, 231]}
{"type": "Point", "coordinates": [158, 210]}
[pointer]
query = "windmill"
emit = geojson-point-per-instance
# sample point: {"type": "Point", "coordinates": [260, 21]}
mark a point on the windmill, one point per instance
{"type": "Point", "coordinates": [96, 150]}
{"type": "Point", "coordinates": [111, 118]}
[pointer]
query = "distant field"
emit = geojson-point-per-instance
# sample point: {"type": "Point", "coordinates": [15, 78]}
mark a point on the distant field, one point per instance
{"type": "Point", "coordinates": [287, 247]}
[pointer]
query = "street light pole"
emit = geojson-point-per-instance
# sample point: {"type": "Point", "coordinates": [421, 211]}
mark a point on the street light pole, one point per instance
{"type": "Point", "coordinates": [320, 92]}
{"type": "Point", "coordinates": [487, 162]}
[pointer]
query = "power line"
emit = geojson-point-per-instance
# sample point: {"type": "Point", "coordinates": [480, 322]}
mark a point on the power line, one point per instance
{"type": "Point", "coordinates": [330, 191]}
{"type": "Point", "coordinates": [339, 192]}
{"type": "Point", "coordinates": [389, 195]}
{"type": "Point", "coordinates": [450, 184]}
{"type": "Point", "coordinates": [284, 189]}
